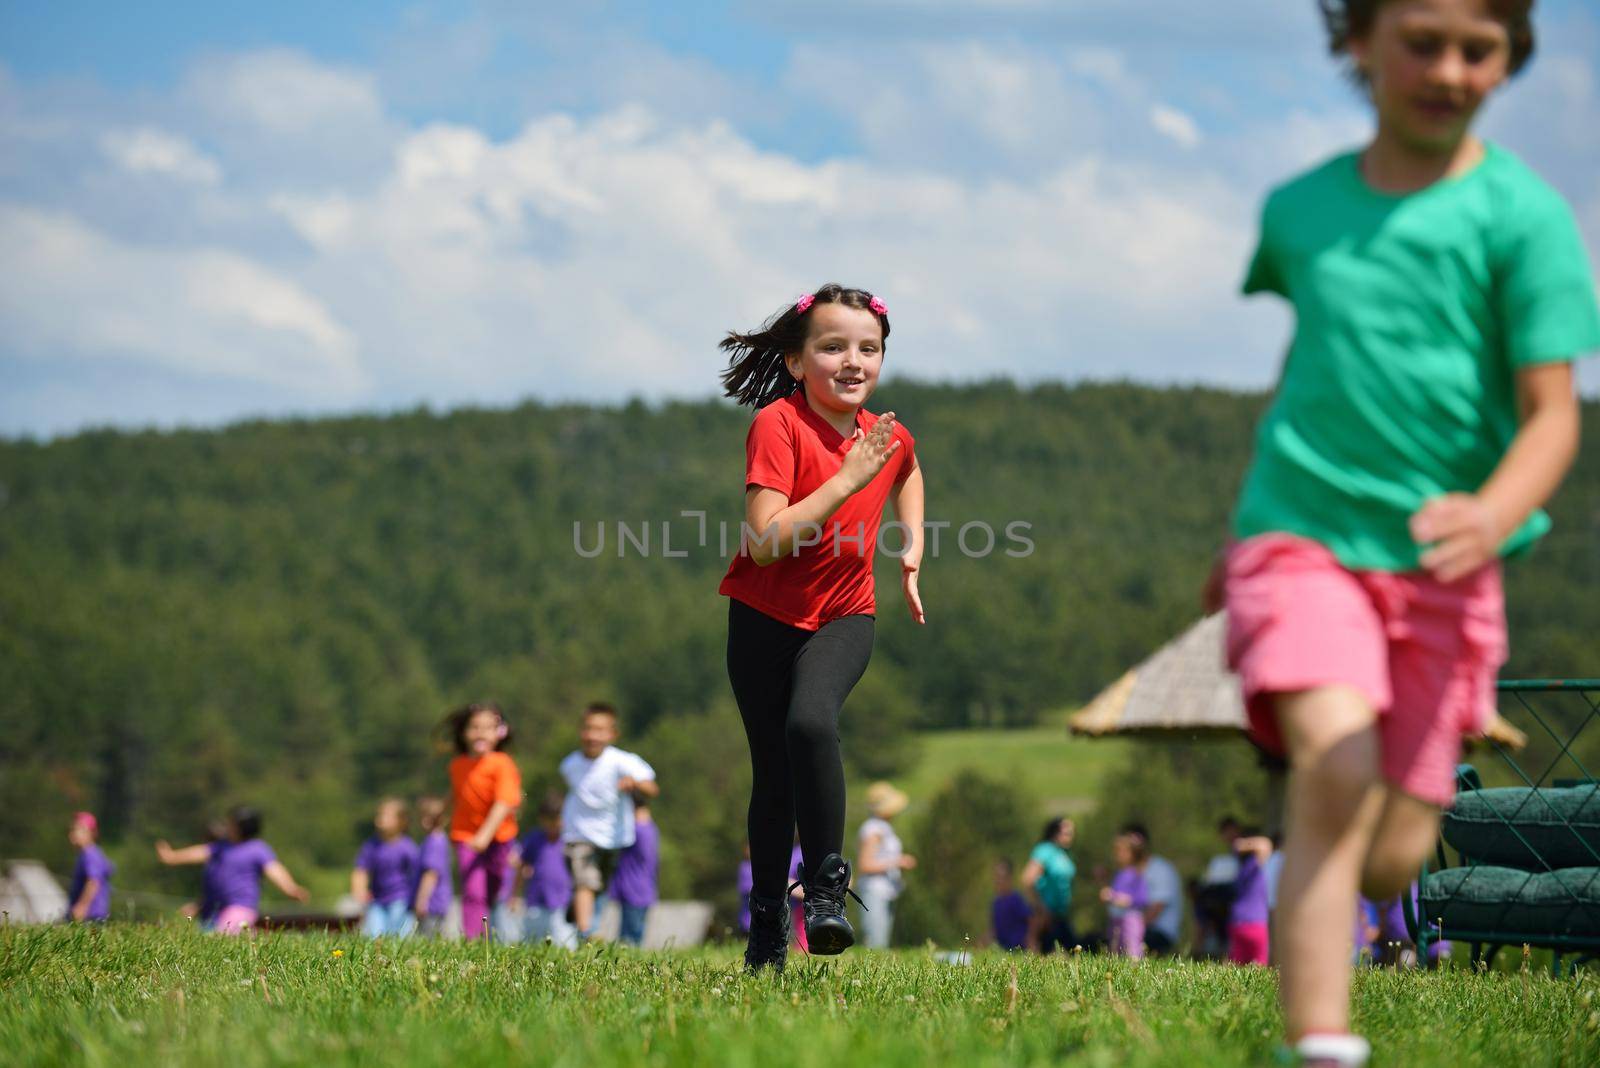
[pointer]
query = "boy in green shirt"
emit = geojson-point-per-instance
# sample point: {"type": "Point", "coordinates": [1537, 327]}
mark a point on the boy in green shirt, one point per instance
{"type": "Point", "coordinates": [1426, 411]}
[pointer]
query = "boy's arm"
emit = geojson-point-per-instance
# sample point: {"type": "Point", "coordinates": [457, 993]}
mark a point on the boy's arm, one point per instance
{"type": "Point", "coordinates": [1465, 530]}
{"type": "Point", "coordinates": [645, 788]}
{"type": "Point", "coordinates": [907, 498]}
{"type": "Point", "coordinates": [360, 884]}
{"type": "Point", "coordinates": [640, 780]}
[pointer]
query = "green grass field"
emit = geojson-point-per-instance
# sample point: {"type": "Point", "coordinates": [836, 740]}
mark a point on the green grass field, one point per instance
{"type": "Point", "coordinates": [1062, 774]}
{"type": "Point", "coordinates": [128, 996]}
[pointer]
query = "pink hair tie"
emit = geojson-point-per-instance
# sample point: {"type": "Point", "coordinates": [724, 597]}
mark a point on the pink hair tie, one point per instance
{"type": "Point", "coordinates": [805, 301]}
{"type": "Point", "coordinates": [87, 819]}
{"type": "Point", "coordinates": [878, 307]}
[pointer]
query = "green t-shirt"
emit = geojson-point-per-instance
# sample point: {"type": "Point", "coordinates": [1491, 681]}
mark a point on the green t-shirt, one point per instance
{"type": "Point", "coordinates": [1055, 885]}
{"type": "Point", "coordinates": [1413, 314]}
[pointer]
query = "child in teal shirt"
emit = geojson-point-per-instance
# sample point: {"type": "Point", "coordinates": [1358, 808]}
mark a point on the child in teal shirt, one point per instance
{"type": "Point", "coordinates": [1425, 414]}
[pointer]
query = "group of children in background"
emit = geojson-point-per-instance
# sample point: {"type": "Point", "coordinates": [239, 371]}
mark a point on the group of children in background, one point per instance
{"type": "Point", "coordinates": [597, 837]}
{"type": "Point", "coordinates": [1233, 902]}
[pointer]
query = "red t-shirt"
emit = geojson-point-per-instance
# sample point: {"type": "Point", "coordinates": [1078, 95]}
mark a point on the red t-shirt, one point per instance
{"type": "Point", "coordinates": [794, 450]}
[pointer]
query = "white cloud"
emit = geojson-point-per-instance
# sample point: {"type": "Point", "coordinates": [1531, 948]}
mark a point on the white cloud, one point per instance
{"type": "Point", "coordinates": [147, 150]}
{"type": "Point", "coordinates": [283, 91]}
{"type": "Point", "coordinates": [73, 291]}
{"type": "Point", "coordinates": [1026, 210]}
{"type": "Point", "coordinates": [1170, 122]}
{"type": "Point", "coordinates": [583, 256]}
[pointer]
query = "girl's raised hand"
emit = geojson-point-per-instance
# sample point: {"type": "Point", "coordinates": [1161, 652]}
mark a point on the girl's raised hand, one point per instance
{"type": "Point", "coordinates": [869, 452]}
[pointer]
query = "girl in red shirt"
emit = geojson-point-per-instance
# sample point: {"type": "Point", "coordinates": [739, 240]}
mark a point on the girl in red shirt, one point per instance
{"type": "Point", "coordinates": [818, 469]}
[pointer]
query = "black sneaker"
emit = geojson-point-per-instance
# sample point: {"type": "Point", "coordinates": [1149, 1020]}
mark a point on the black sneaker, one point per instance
{"type": "Point", "coordinates": [768, 944]}
{"type": "Point", "coordinates": [827, 930]}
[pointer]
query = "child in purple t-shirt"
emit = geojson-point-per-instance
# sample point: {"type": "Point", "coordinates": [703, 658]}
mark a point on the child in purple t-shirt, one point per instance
{"type": "Point", "coordinates": [1009, 914]}
{"type": "Point", "coordinates": [430, 882]}
{"type": "Point", "coordinates": [384, 873]}
{"type": "Point", "coordinates": [205, 910]}
{"type": "Point", "coordinates": [634, 882]}
{"type": "Point", "coordinates": [1127, 897]}
{"type": "Point", "coordinates": [240, 865]}
{"type": "Point", "coordinates": [546, 881]}
{"type": "Point", "coordinates": [1248, 917]}
{"type": "Point", "coordinates": [90, 893]}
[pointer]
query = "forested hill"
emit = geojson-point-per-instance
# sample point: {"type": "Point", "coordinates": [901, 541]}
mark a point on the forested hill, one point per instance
{"type": "Point", "coordinates": [284, 609]}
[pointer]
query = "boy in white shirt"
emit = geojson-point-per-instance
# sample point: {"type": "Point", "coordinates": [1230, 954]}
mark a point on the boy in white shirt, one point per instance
{"type": "Point", "coordinates": [597, 819]}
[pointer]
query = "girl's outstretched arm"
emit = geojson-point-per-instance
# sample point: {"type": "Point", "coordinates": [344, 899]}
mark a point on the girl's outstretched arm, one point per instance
{"type": "Point", "coordinates": [360, 885]}
{"type": "Point", "coordinates": [284, 881]}
{"type": "Point", "coordinates": [1464, 531]}
{"type": "Point", "coordinates": [195, 854]}
{"type": "Point", "coordinates": [907, 499]}
{"type": "Point", "coordinates": [1038, 915]}
{"type": "Point", "coordinates": [497, 815]}
{"type": "Point", "coordinates": [780, 528]}
{"type": "Point", "coordinates": [80, 907]}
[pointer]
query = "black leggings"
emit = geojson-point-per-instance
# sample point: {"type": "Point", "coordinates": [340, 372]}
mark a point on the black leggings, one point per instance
{"type": "Point", "coordinates": [790, 684]}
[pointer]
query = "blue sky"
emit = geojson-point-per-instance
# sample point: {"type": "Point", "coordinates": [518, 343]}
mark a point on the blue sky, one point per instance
{"type": "Point", "coordinates": [221, 210]}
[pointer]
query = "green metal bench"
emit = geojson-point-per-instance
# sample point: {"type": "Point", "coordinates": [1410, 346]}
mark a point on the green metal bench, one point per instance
{"type": "Point", "coordinates": [1526, 846]}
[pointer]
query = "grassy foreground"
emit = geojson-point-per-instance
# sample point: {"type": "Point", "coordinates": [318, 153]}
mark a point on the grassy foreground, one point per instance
{"type": "Point", "coordinates": [143, 995]}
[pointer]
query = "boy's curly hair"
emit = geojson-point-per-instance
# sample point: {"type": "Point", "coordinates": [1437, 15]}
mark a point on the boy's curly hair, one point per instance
{"type": "Point", "coordinates": [1349, 20]}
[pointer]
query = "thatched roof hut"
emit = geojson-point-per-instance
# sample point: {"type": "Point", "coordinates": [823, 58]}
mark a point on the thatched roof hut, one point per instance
{"type": "Point", "coordinates": [1184, 686]}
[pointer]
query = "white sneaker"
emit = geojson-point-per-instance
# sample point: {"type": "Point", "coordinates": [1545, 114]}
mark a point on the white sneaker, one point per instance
{"type": "Point", "coordinates": [1333, 1051]}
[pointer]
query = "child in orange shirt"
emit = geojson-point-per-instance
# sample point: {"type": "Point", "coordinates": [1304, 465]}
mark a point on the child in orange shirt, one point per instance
{"type": "Point", "coordinates": [486, 790]}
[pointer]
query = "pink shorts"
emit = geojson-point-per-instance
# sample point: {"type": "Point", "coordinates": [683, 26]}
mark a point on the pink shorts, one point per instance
{"type": "Point", "coordinates": [1248, 943]}
{"type": "Point", "coordinates": [1423, 652]}
{"type": "Point", "coordinates": [235, 919]}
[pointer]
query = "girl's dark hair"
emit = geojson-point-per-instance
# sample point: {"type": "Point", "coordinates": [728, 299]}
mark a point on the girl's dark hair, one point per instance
{"type": "Point", "coordinates": [1052, 829]}
{"type": "Point", "coordinates": [246, 820]}
{"type": "Point", "coordinates": [1351, 20]}
{"type": "Point", "coordinates": [454, 725]}
{"type": "Point", "coordinates": [756, 375]}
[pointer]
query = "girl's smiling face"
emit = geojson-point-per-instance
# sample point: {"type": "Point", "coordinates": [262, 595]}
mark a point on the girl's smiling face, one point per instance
{"type": "Point", "coordinates": [482, 733]}
{"type": "Point", "coordinates": [841, 358]}
{"type": "Point", "coordinates": [1431, 64]}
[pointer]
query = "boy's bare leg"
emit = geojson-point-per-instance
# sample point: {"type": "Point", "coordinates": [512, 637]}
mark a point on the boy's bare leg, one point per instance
{"type": "Point", "coordinates": [582, 909]}
{"type": "Point", "coordinates": [1334, 800]}
{"type": "Point", "coordinates": [1407, 830]}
